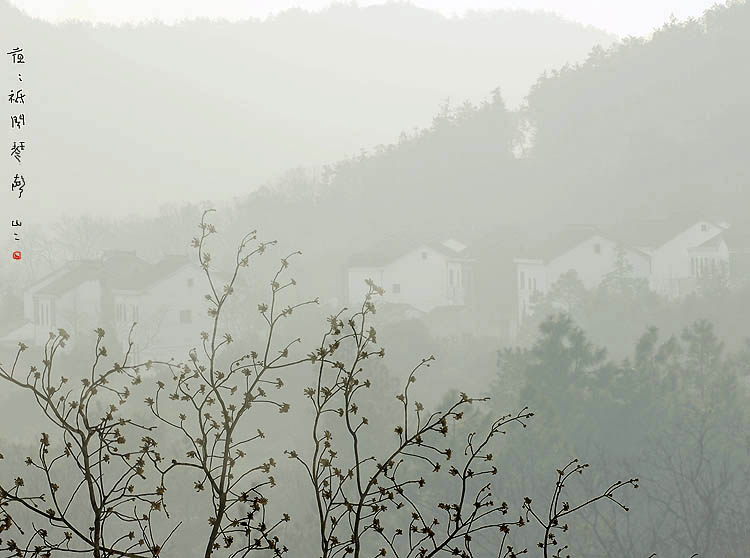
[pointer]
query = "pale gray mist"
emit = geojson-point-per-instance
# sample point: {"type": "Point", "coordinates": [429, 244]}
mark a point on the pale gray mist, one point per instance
{"type": "Point", "coordinates": [360, 280]}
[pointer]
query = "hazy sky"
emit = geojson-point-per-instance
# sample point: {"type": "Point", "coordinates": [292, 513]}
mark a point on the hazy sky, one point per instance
{"type": "Point", "coordinates": [623, 17]}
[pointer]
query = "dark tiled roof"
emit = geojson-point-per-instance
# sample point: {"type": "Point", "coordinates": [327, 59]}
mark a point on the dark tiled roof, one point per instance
{"type": "Point", "coordinates": [636, 235]}
{"type": "Point", "coordinates": [737, 237]}
{"type": "Point", "coordinates": [712, 242]}
{"type": "Point", "coordinates": [118, 271]}
{"type": "Point", "coordinates": [391, 249]}
{"type": "Point", "coordinates": [76, 273]}
{"type": "Point", "coordinates": [652, 233]}
{"type": "Point", "coordinates": [142, 276]}
{"type": "Point", "coordinates": [563, 241]}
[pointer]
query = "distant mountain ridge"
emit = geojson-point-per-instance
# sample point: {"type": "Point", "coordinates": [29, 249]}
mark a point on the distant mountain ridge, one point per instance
{"type": "Point", "coordinates": [644, 130]}
{"type": "Point", "coordinates": [129, 117]}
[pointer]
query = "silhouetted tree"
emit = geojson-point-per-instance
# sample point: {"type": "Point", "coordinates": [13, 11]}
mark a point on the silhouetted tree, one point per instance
{"type": "Point", "coordinates": [213, 397]}
{"type": "Point", "coordinates": [374, 504]}
{"type": "Point", "coordinates": [90, 492]}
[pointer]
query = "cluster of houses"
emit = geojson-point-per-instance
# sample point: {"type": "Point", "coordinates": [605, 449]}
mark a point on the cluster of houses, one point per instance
{"type": "Point", "coordinates": [671, 255]}
{"type": "Point", "coordinates": [672, 258]}
{"type": "Point", "coordinates": [165, 297]}
{"type": "Point", "coordinates": [113, 292]}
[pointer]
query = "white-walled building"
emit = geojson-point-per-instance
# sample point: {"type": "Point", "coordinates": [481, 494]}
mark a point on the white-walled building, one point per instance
{"type": "Point", "coordinates": [689, 254]}
{"type": "Point", "coordinates": [169, 306]}
{"type": "Point", "coordinates": [587, 251]}
{"type": "Point", "coordinates": [165, 299]}
{"type": "Point", "coordinates": [671, 255]}
{"type": "Point", "coordinates": [426, 276]}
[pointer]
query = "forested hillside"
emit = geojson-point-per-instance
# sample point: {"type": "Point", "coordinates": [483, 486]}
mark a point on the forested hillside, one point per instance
{"type": "Point", "coordinates": [465, 404]}
{"type": "Point", "coordinates": [594, 141]}
{"type": "Point", "coordinates": [212, 109]}
{"type": "Point", "coordinates": [641, 130]}
{"type": "Point", "coordinates": [646, 129]}
{"type": "Point", "coordinates": [669, 115]}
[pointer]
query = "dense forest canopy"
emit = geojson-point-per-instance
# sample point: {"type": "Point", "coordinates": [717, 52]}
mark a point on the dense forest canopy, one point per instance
{"type": "Point", "coordinates": [593, 141]}
{"type": "Point", "coordinates": [667, 115]}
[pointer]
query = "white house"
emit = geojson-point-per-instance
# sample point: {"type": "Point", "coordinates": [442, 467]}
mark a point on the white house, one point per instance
{"type": "Point", "coordinates": [591, 253]}
{"type": "Point", "coordinates": [688, 254]}
{"type": "Point", "coordinates": [165, 299]}
{"type": "Point", "coordinates": [671, 254]}
{"type": "Point", "coordinates": [426, 276]}
{"type": "Point", "coordinates": [168, 304]}
{"type": "Point", "coordinates": [710, 259]}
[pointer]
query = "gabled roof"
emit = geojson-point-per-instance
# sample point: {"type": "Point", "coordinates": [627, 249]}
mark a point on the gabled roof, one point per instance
{"type": "Point", "coordinates": [118, 271]}
{"type": "Point", "coordinates": [560, 243]}
{"type": "Point", "coordinates": [642, 236]}
{"type": "Point", "coordinates": [713, 242]}
{"type": "Point", "coordinates": [567, 239]}
{"type": "Point", "coordinates": [76, 274]}
{"type": "Point", "coordinates": [652, 233]}
{"type": "Point", "coordinates": [737, 237]}
{"type": "Point", "coordinates": [144, 276]}
{"type": "Point", "coordinates": [390, 250]}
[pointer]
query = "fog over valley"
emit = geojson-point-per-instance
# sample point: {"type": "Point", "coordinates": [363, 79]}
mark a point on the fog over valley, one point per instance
{"type": "Point", "coordinates": [375, 280]}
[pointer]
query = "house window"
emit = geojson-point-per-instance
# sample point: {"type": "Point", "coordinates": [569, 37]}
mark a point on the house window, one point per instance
{"type": "Point", "coordinates": [452, 277]}
{"type": "Point", "coordinates": [186, 317]}
{"type": "Point", "coordinates": [692, 267]}
{"type": "Point", "coordinates": [424, 255]}
{"type": "Point", "coordinates": [704, 227]}
{"type": "Point", "coordinates": [533, 282]}
{"type": "Point", "coordinates": [43, 313]}
{"type": "Point", "coordinates": [134, 313]}
{"type": "Point", "coordinates": [396, 288]}
{"type": "Point", "coordinates": [120, 313]}
{"type": "Point", "coordinates": [522, 280]}
{"type": "Point", "coordinates": [597, 248]}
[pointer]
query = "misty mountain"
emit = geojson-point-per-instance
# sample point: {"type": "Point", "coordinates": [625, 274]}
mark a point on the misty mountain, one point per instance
{"type": "Point", "coordinates": [647, 129]}
{"type": "Point", "coordinates": [648, 126]}
{"type": "Point", "coordinates": [644, 129]}
{"type": "Point", "coordinates": [125, 118]}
